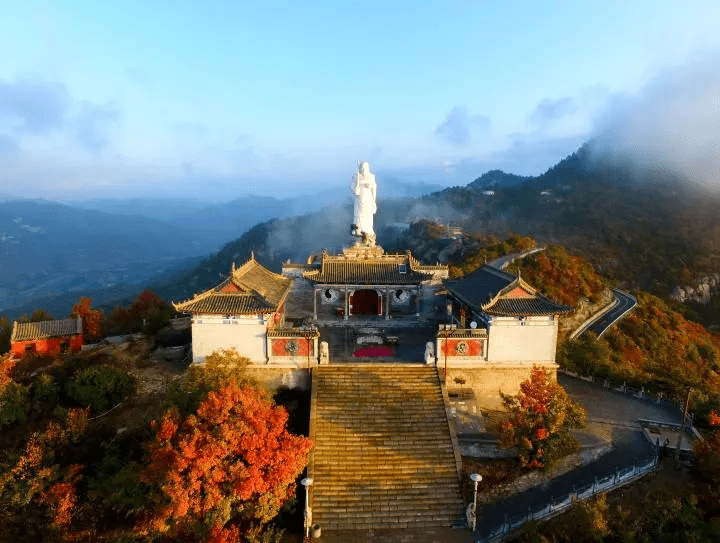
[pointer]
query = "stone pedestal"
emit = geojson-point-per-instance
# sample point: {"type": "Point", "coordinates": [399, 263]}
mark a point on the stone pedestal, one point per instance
{"type": "Point", "coordinates": [364, 251]}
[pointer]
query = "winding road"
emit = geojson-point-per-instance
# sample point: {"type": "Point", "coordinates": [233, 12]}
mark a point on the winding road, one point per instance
{"type": "Point", "coordinates": [625, 302]}
{"type": "Point", "coordinates": [504, 261]}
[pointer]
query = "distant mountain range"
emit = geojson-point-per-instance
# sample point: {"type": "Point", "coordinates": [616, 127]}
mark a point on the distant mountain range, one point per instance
{"type": "Point", "coordinates": [49, 248]}
{"type": "Point", "coordinates": [649, 229]}
{"type": "Point", "coordinates": [51, 253]}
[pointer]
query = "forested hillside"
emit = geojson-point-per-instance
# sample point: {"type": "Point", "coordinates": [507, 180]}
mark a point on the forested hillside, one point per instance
{"type": "Point", "coordinates": [649, 229]}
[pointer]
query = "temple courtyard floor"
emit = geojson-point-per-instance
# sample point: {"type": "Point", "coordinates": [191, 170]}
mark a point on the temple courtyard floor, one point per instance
{"type": "Point", "coordinates": [376, 340]}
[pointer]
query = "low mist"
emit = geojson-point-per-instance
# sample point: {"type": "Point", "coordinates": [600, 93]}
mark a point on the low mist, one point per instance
{"type": "Point", "coordinates": [672, 124]}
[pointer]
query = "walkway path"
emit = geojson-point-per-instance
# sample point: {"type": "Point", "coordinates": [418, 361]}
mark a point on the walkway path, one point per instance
{"type": "Point", "coordinates": [504, 261]}
{"type": "Point", "coordinates": [613, 417]}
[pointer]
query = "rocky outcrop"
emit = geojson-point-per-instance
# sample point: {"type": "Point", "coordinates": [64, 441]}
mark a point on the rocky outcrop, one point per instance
{"type": "Point", "coordinates": [700, 293]}
{"type": "Point", "coordinates": [583, 311]}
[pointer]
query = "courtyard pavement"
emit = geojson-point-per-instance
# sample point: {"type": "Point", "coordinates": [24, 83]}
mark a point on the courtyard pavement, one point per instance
{"type": "Point", "coordinates": [406, 341]}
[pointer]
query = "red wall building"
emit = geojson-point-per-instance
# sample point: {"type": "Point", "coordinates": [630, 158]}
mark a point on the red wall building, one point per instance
{"type": "Point", "coordinates": [46, 337]}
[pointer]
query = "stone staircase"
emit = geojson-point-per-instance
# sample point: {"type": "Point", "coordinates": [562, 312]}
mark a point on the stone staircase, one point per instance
{"type": "Point", "coordinates": [383, 456]}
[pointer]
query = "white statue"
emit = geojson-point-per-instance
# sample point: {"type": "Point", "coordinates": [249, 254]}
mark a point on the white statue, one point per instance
{"type": "Point", "coordinates": [324, 353]}
{"type": "Point", "coordinates": [365, 191]}
{"type": "Point", "coordinates": [429, 353]}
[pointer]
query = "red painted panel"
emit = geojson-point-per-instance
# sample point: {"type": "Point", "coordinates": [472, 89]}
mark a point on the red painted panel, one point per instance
{"type": "Point", "coordinates": [230, 287]}
{"type": "Point", "coordinates": [462, 347]}
{"type": "Point", "coordinates": [518, 292]}
{"type": "Point", "coordinates": [284, 346]}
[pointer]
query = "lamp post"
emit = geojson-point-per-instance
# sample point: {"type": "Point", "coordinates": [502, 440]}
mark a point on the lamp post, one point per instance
{"type": "Point", "coordinates": [446, 348]}
{"type": "Point", "coordinates": [309, 334]}
{"type": "Point", "coordinates": [682, 425]}
{"type": "Point", "coordinates": [476, 478]}
{"type": "Point", "coordinates": [306, 482]}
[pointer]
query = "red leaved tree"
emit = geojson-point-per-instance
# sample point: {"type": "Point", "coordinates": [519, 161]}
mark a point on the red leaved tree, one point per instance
{"type": "Point", "coordinates": [92, 318]}
{"type": "Point", "coordinates": [36, 490]}
{"type": "Point", "coordinates": [224, 471]}
{"type": "Point", "coordinates": [541, 417]}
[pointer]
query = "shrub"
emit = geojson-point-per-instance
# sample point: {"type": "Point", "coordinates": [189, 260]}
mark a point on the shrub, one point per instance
{"type": "Point", "coordinates": [220, 368]}
{"type": "Point", "coordinates": [100, 387]}
{"type": "Point", "coordinates": [13, 407]}
{"type": "Point", "coordinates": [44, 392]}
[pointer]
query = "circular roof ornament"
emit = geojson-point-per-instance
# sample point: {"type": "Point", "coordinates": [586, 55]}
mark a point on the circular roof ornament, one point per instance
{"type": "Point", "coordinates": [473, 325]}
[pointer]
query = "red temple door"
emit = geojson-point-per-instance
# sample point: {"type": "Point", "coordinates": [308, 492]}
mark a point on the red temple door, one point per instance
{"type": "Point", "coordinates": [365, 302]}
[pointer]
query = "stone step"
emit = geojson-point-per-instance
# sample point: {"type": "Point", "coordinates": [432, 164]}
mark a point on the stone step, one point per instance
{"type": "Point", "coordinates": [383, 457]}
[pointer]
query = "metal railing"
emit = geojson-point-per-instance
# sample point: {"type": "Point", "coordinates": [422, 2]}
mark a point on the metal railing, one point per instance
{"type": "Point", "coordinates": [619, 478]}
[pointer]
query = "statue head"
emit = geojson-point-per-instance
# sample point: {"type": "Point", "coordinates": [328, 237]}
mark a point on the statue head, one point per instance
{"type": "Point", "coordinates": [364, 168]}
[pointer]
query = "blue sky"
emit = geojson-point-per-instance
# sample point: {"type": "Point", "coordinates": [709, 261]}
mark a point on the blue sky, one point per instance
{"type": "Point", "coordinates": [218, 99]}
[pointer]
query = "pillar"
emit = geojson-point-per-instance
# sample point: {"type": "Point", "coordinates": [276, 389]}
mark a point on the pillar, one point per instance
{"type": "Point", "coordinates": [387, 304]}
{"type": "Point", "coordinates": [347, 305]}
{"type": "Point", "coordinates": [315, 303]}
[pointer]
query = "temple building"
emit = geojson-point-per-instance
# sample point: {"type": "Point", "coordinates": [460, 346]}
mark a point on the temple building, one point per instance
{"type": "Point", "coordinates": [521, 324]}
{"type": "Point", "coordinates": [487, 330]}
{"type": "Point", "coordinates": [238, 312]}
{"type": "Point", "coordinates": [46, 337]}
{"type": "Point", "coordinates": [362, 283]}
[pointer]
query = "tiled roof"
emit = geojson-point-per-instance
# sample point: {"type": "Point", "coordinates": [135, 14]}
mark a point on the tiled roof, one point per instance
{"type": "Point", "coordinates": [519, 307]}
{"type": "Point", "coordinates": [252, 276]}
{"type": "Point", "coordinates": [250, 289]}
{"type": "Point", "coordinates": [292, 332]}
{"type": "Point", "coordinates": [480, 286]}
{"type": "Point", "coordinates": [463, 333]}
{"type": "Point", "coordinates": [226, 304]}
{"type": "Point", "coordinates": [499, 293]}
{"type": "Point", "coordinates": [381, 270]}
{"type": "Point", "coordinates": [27, 331]}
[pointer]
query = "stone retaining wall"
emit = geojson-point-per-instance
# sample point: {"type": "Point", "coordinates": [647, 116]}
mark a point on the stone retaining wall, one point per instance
{"type": "Point", "coordinates": [273, 378]}
{"type": "Point", "coordinates": [488, 380]}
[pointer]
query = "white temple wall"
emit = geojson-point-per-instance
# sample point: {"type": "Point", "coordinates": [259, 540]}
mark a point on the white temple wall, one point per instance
{"type": "Point", "coordinates": [532, 339]}
{"type": "Point", "coordinates": [247, 335]}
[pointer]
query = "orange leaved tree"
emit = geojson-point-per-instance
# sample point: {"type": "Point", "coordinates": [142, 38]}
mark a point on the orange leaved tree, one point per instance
{"type": "Point", "coordinates": [91, 318]}
{"type": "Point", "coordinates": [541, 417]}
{"type": "Point", "coordinates": [225, 470]}
{"type": "Point", "coordinates": [37, 490]}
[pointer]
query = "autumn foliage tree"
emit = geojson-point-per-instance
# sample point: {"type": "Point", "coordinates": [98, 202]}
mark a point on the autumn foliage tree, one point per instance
{"type": "Point", "coordinates": [541, 417]}
{"type": "Point", "coordinates": [36, 489]}
{"type": "Point", "coordinates": [708, 451]}
{"type": "Point", "coordinates": [91, 318]}
{"type": "Point", "coordinates": [13, 395]}
{"type": "Point", "coordinates": [148, 313]}
{"type": "Point", "coordinates": [561, 276]}
{"type": "Point", "coordinates": [224, 471]}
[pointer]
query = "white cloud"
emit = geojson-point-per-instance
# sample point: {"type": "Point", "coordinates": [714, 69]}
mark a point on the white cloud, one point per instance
{"type": "Point", "coordinates": [672, 123]}
{"type": "Point", "coordinates": [459, 127]}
